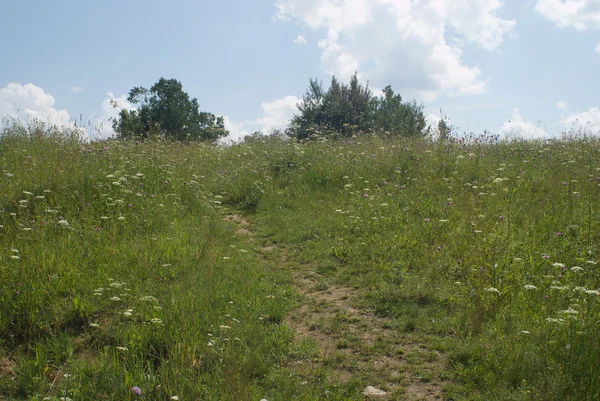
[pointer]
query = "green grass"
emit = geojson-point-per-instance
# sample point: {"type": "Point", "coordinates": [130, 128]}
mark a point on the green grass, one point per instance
{"type": "Point", "coordinates": [117, 268]}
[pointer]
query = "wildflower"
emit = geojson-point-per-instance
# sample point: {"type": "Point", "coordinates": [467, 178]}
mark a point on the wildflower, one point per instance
{"type": "Point", "coordinates": [124, 349]}
{"type": "Point", "coordinates": [593, 292]}
{"type": "Point", "coordinates": [116, 299]}
{"type": "Point", "coordinates": [544, 256]}
{"type": "Point", "coordinates": [224, 327]}
{"type": "Point", "coordinates": [63, 223]}
{"type": "Point", "coordinates": [94, 325]}
{"type": "Point", "coordinates": [501, 217]}
{"type": "Point", "coordinates": [27, 193]}
{"type": "Point", "coordinates": [530, 287]}
{"type": "Point", "coordinates": [16, 257]}
{"type": "Point", "coordinates": [156, 321]}
{"type": "Point", "coordinates": [492, 289]}
{"type": "Point", "coordinates": [174, 397]}
{"type": "Point", "coordinates": [576, 269]}
{"type": "Point", "coordinates": [128, 312]}
{"type": "Point", "coordinates": [591, 262]}
{"type": "Point", "coordinates": [525, 332]}
{"type": "Point", "coordinates": [426, 220]}
{"type": "Point", "coordinates": [517, 259]}
{"type": "Point", "coordinates": [136, 391]}
{"type": "Point", "coordinates": [121, 218]}
{"type": "Point", "coordinates": [570, 311]}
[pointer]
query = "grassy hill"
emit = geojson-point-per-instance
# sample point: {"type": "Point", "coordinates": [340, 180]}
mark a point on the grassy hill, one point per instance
{"type": "Point", "coordinates": [285, 271]}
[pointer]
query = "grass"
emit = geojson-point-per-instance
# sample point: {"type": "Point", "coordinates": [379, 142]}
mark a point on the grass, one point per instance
{"type": "Point", "coordinates": [477, 260]}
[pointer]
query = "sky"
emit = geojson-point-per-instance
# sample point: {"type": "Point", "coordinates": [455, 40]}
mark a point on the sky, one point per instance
{"type": "Point", "coordinates": [527, 68]}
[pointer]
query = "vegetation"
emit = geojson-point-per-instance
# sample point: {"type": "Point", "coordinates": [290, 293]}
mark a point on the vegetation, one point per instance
{"type": "Point", "coordinates": [344, 110]}
{"type": "Point", "coordinates": [119, 273]}
{"type": "Point", "coordinates": [166, 111]}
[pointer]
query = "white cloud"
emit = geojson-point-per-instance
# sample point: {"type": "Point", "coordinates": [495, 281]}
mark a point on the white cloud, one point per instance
{"type": "Point", "coordinates": [432, 123]}
{"type": "Point", "coordinates": [598, 48]}
{"type": "Point", "coordinates": [518, 128]}
{"type": "Point", "coordinates": [580, 14]}
{"type": "Point", "coordinates": [300, 40]}
{"type": "Point", "coordinates": [76, 89]}
{"type": "Point", "coordinates": [587, 122]}
{"type": "Point", "coordinates": [237, 131]}
{"type": "Point", "coordinates": [31, 102]}
{"type": "Point", "coordinates": [275, 115]}
{"type": "Point", "coordinates": [403, 43]}
{"type": "Point", "coordinates": [562, 105]}
{"type": "Point", "coordinates": [102, 124]}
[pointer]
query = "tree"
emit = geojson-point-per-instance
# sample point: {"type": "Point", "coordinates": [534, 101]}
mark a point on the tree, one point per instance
{"type": "Point", "coordinates": [348, 109]}
{"type": "Point", "coordinates": [165, 110]}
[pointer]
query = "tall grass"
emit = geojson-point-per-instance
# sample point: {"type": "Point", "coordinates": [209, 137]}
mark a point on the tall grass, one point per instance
{"type": "Point", "coordinates": [117, 269]}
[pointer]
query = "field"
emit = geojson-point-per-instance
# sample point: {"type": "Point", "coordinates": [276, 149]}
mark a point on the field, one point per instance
{"type": "Point", "coordinates": [280, 270]}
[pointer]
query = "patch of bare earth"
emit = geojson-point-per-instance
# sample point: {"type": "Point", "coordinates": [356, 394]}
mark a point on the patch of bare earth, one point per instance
{"type": "Point", "coordinates": [243, 225]}
{"type": "Point", "coordinates": [354, 343]}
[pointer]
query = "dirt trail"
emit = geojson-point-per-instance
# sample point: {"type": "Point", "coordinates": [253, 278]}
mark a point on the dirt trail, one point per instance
{"type": "Point", "coordinates": [354, 343]}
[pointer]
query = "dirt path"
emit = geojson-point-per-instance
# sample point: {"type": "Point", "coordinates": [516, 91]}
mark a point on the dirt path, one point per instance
{"type": "Point", "coordinates": [355, 344]}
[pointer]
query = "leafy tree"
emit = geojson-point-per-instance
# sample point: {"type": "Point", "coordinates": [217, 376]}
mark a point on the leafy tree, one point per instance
{"type": "Point", "coordinates": [444, 130]}
{"type": "Point", "coordinates": [347, 109]}
{"type": "Point", "coordinates": [165, 110]}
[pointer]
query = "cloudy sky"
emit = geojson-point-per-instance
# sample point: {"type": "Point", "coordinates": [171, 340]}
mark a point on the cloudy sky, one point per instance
{"type": "Point", "coordinates": [513, 67]}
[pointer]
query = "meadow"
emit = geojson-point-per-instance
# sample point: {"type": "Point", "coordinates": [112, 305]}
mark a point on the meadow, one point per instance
{"type": "Point", "coordinates": [163, 270]}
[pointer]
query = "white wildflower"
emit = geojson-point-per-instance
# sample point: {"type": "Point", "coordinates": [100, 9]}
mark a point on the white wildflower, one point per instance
{"type": "Point", "coordinates": [63, 223]}
{"type": "Point", "coordinates": [529, 287]}
{"type": "Point", "coordinates": [561, 265]}
{"type": "Point", "coordinates": [570, 311]}
{"type": "Point", "coordinates": [116, 299]}
{"type": "Point", "coordinates": [576, 269]}
{"type": "Point", "coordinates": [124, 349]}
{"type": "Point", "coordinates": [492, 289]}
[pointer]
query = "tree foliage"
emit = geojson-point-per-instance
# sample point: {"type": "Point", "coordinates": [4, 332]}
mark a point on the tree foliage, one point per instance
{"type": "Point", "coordinates": [346, 109]}
{"type": "Point", "coordinates": [166, 111]}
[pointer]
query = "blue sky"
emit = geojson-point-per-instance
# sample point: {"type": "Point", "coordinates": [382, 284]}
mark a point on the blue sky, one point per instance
{"type": "Point", "coordinates": [484, 63]}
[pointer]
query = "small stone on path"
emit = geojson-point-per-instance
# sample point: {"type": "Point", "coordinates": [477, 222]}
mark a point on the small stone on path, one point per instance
{"type": "Point", "coordinates": [370, 390]}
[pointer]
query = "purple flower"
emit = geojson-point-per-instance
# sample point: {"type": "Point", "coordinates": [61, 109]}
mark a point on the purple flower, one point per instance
{"type": "Point", "coordinates": [559, 234]}
{"type": "Point", "coordinates": [136, 391]}
{"type": "Point", "coordinates": [501, 217]}
{"type": "Point", "coordinates": [427, 220]}
{"type": "Point", "coordinates": [365, 195]}
{"type": "Point", "coordinates": [544, 256]}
